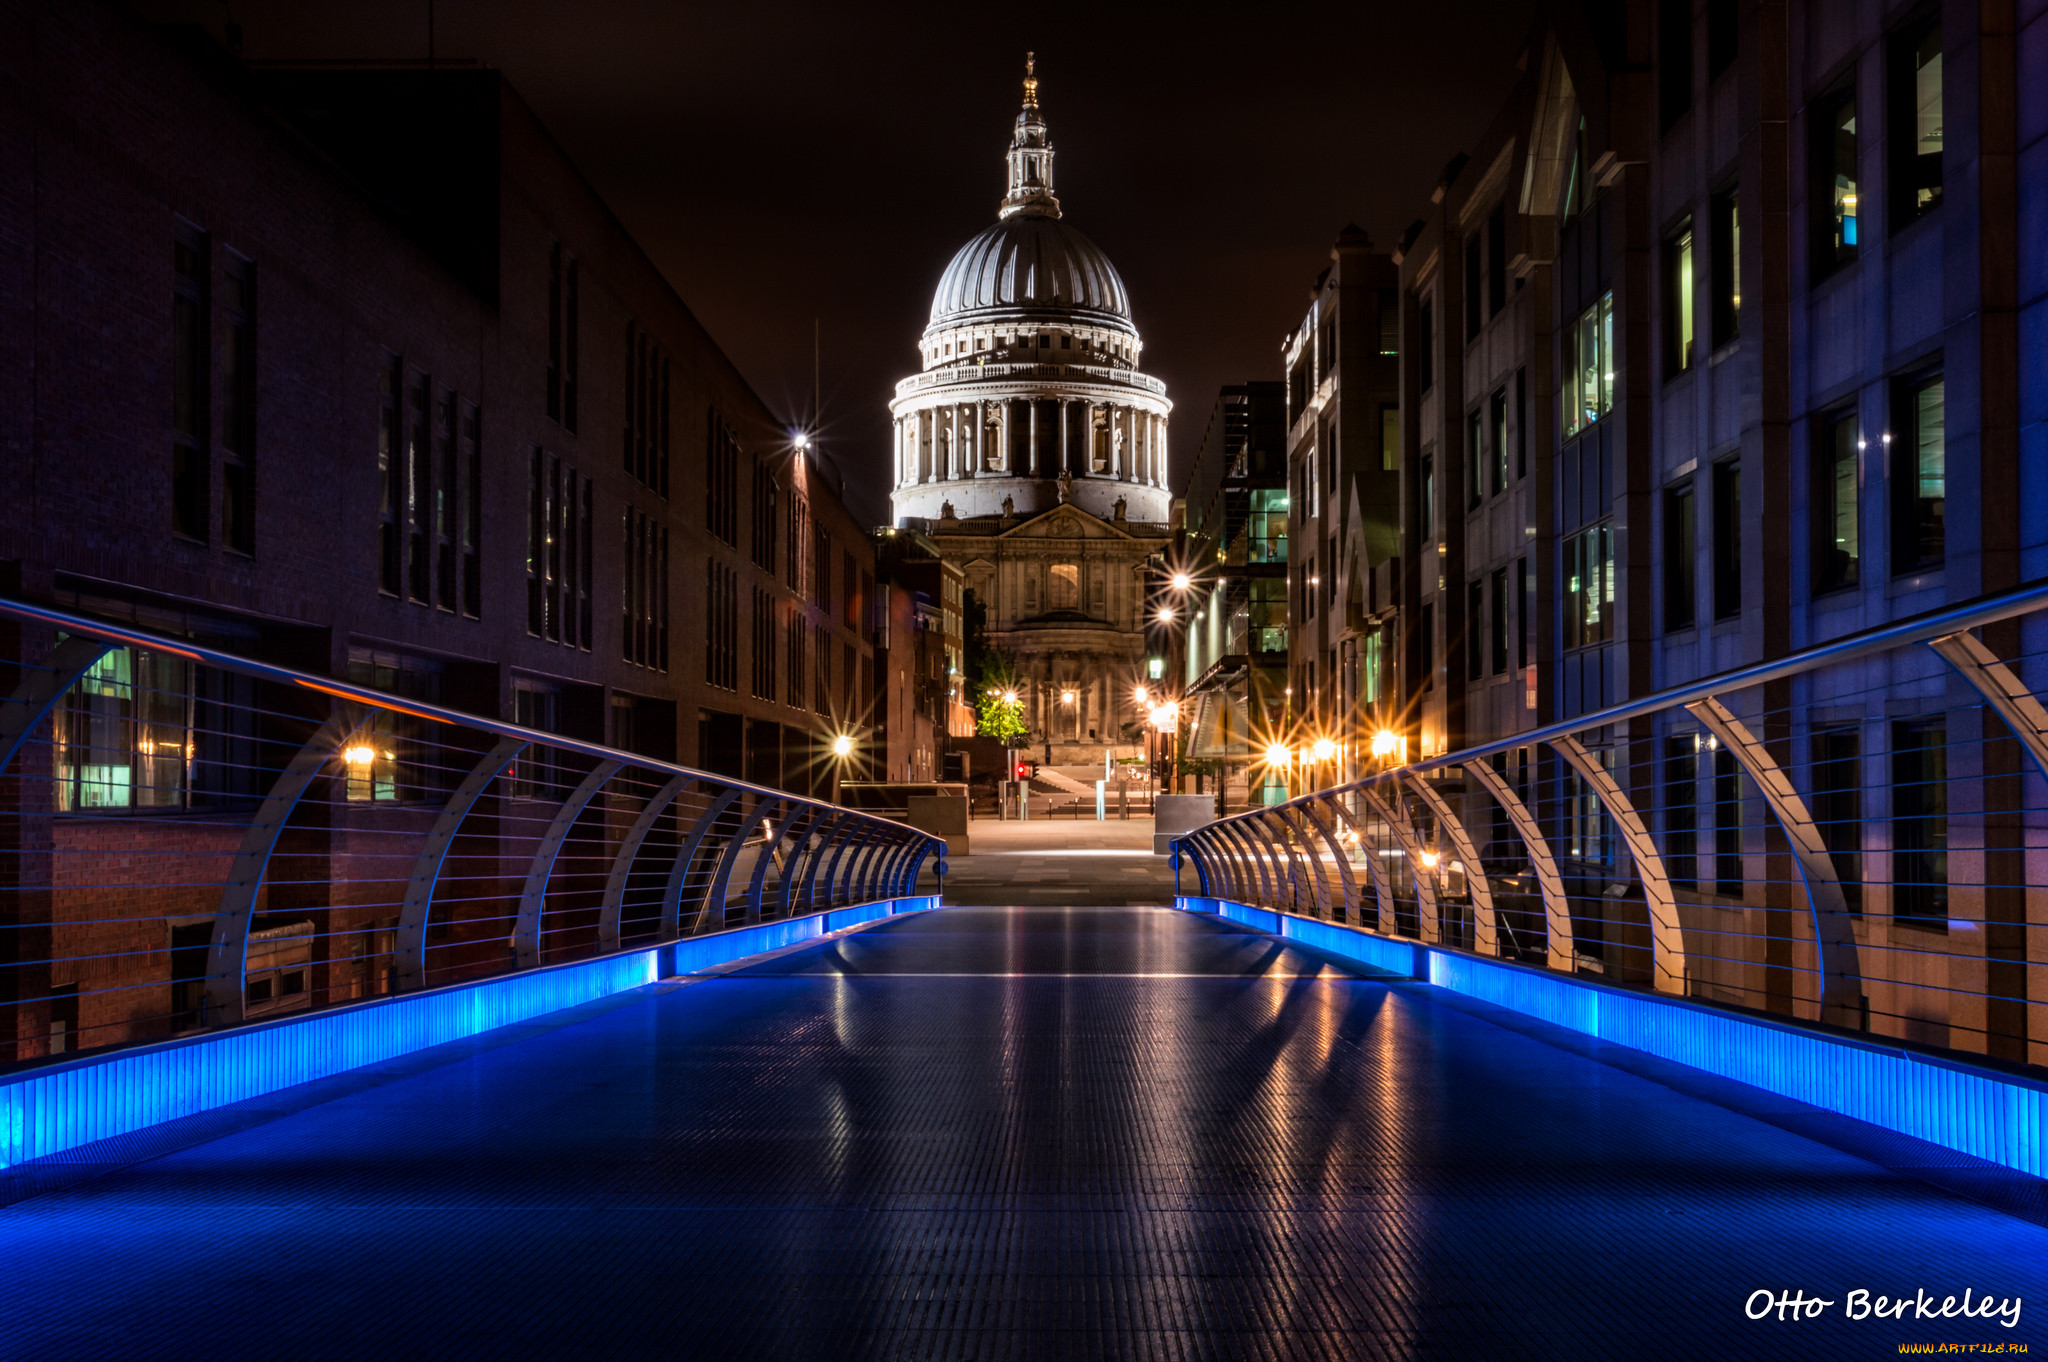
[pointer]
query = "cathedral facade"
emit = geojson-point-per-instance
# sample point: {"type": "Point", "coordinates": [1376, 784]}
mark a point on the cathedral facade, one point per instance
{"type": "Point", "coordinates": [1032, 450]}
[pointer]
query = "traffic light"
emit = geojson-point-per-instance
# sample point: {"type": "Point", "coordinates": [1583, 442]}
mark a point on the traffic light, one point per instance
{"type": "Point", "coordinates": [1026, 769]}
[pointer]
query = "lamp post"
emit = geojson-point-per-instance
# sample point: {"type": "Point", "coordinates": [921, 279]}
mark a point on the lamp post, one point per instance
{"type": "Point", "coordinates": [842, 748]}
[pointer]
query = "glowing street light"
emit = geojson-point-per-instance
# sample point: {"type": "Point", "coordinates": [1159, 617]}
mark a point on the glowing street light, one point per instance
{"type": "Point", "coordinates": [1384, 743]}
{"type": "Point", "coordinates": [1139, 695]}
{"type": "Point", "coordinates": [802, 440]}
{"type": "Point", "coordinates": [1166, 614]}
{"type": "Point", "coordinates": [842, 746]}
{"type": "Point", "coordinates": [359, 754]}
{"type": "Point", "coordinates": [1067, 697]}
{"type": "Point", "coordinates": [1429, 860]}
{"type": "Point", "coordinates": [1279, 754]}
{"type": "Point", "coordinates": [1324, 749]}
{"type": "Point", "coordinates": [1165, 715]}
{"type": "Point", "coordinates": [1009, 697]}
{"type": "Point", "coordinates": [1181, 581]}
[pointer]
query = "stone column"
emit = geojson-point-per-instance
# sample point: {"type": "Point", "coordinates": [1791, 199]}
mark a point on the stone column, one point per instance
{"type": "Point", "coordinates": [953, 460]}
{"type": "Point", "coordinates": [1159, 447]}
{"type": "Point", "coordinates": [974, 447]}
{"type": "Point", "coordinates": [1031, 430]}
{"type": "Point", "coordinates": [1066, 459]}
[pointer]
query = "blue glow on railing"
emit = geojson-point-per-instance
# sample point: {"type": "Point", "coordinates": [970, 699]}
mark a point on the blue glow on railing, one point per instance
{"type": "Point", "coordinates": [48, 1110]}
{"type": "Point", "coordinates": [2000, 1118]}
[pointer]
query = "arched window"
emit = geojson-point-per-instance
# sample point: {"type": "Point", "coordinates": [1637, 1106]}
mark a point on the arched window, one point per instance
{"type": "Point", "coordinates": [1063, 588]}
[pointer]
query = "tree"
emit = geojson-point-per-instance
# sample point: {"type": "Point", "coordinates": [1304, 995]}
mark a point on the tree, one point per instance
{"type": "Point", "coordinates": [999, 705]}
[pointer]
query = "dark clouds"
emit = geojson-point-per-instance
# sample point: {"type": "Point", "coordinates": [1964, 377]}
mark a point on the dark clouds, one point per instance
{"type": "Point", "coordinates": [784, 162]}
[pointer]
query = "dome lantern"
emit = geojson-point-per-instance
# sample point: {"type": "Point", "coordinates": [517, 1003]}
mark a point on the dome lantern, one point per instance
{"type": "Point", "coordinates": [1030, 156]}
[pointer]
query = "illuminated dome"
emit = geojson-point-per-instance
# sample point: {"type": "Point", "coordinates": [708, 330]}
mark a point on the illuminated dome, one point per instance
{"type": "Point", "coordinates": [1031, 267]}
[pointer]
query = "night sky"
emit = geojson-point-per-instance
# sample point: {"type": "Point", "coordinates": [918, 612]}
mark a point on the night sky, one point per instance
{"type": "Point", "coordinates": [787, 162]}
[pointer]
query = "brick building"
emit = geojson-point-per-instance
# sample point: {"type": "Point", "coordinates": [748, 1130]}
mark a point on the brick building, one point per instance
{"type": "Point", "coordinates": [351, 370]}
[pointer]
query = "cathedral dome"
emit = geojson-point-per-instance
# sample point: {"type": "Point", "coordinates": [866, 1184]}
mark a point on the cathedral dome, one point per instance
{"type": "Point", "coordinates": [1026, 266]}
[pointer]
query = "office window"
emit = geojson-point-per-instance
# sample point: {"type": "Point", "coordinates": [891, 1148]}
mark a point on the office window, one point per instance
{"type": "Point", "coordinates": [1589, 586]}
{"type": "Point", "coordinates": [1674, 60]}
{"type": "Point", "coordinates": [721, 480]}
{"type": "Point", "coordinates": [1475, 458]}
{"type": "Point", "coordinates": [540, 772]}
{"type": "Point", "coordinates": [1919, 475]}
{"type": "Point", "coordinates": [191, 414]}
{"type": "Point", "coordinates": [1834, 185]}
{"type": "Point", "coordinates": [446, 486]}
{"type": "Point", "coordinates": [1498, 635]}
{"type": "Point", "coordinates": [1838, 805]}
{"type": "Point", "coordinates": [1915, 137]}
{"type": "Point", "coordinates": [1727, 539]}
{"type": "Point", "coordinates": [1837, 461]}
{"type": "Point", "coordinates": [763, 671]}
{"type": "Point", "coordinates": [849, 599]}
{"type": "Point", "coordinates": [797, 564]}
{"type": "Point", "coordinates": [1680, 555]}
{"type": "Point", "coordinates": [559, 508]}
{"type": "Point", "coordinates": [821, 568]}
{"type": "Point", "coordinates": [1727, 824]}
{"type": "Point", "coordinates": [554, 366]}
{"type": "Point", "coordinates": [1678, 313]}
{"type": "Point", "coordinates": [1727, 244]}
{"type": "Point", "coordinates": [1390, 439]}
{"type": "Point", "coordinates": [1390, 322]}
{"type": "Point", "coordinates": [1577, 193]}
{"type": "Point", "coordinates": [1920, 823]}
{"type": "Point", "coordinates": [1475, 629]}
{"type": "Point", "coordinates": [1326, 345]}
{"type": "Point", "coordinates": [238, 407]}
{"type": "Point", "coordinates": [644, 592]}
{"type": "Point", "coordinates": [1497, 260]}
{"type": "Point", "coordinates": [1063, 587]}
{"type": "Point", "coordinates": [799, 659]}
{"type": "Point", "coordinates": [1425, 345]}
{"type": "Point", "coordinates": [473, 511]}
{"type": "Point", "coordinates": [1298, 388]}
{"type": "Point", "coordinates": [1521, 423]}
{"type": "Point", "coordinates": [1589, 366]}
{"type": "Point", "coordinates": [1497, 442]}
{"type": "Point", "coordinates": [1681, 809]}
{"type": "Point", "coordinates": [121, 733]}
{"type": "Point", "coordinates": [721, 626]}
{"type": "Point", "coordinates": [419, 468]}
{"type": "Point", "coordinates": [390, 477]}
{"type": "Point", "coordinates": [1426, 516]}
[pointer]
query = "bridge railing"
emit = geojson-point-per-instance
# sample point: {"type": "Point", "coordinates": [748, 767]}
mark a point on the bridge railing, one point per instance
{"type": "Point", "coordinates": [1855, 835]}
{"type": "Point", "coordinates": [192, 839]}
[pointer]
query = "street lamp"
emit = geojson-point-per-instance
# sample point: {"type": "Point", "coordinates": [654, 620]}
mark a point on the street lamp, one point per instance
{"type": "Point", "coordinates": [1166, 614]}
{"type": "Point", "coordinates": [1181, 581]}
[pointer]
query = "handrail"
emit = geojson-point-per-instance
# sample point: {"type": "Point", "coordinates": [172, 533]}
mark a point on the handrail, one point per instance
{"type": "Point", "coordinates": [345, 690]}
{"type": "Point", "coordinates": [161, 818]}
{"type": "Point", "coordinates": [1871, 827]}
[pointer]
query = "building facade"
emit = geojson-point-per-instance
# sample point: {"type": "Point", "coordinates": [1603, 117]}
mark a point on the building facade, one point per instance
{"type": "Point", "coordinates": [1235, 675]}
{"type": "Point", "coordinates": [1711, 351]}
{"type": "Point", "coordinates": [1032, 450]}
{"type": "Point", "coordinates": [283, 376]}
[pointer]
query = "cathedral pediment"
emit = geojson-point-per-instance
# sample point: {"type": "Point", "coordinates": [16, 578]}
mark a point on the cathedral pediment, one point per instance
{"type": "Point", "coordinates": [1064, 522]}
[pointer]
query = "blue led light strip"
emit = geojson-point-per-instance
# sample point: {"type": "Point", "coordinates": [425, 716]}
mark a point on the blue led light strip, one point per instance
{"type": "Point", "coordinates": [50, 1109]}
{"type": "Point", "coordinates": [2000, 1118]}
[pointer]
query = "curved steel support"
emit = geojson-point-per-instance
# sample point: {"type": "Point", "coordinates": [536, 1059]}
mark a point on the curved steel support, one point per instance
{"type": "Point", "coordinates": [764, 808]}
{"type": "Point", "coordinates": [1560, 947]}
{"type": "Point", "coordinates": [1485, 926]}
{"type": "Point", "coordinates": [608, 928]}
{"type": "Point", "coordinates": [426, 869]}
{"type": "Point", "coordinates": [835, 880]}
{"type": "Point", "coordinates": [827, 838]}
{"type": "Point", "coordinates": [1426, 911]}
{"type": "Point", "coordinates": [40, 691]}
{"type": "Point", "coordinates": [1258, 880]}
{"type": "Point", "coordinates": [794, 888]}
{"type": "Point", "coordinates": [1387, 921]}
{"type": "Point", "coordinates": [2001, 688]}
{"type": "Point", "coordinates": [1289, 846]}
{"type": "Point", "coordinates": [686, 856]}
{"type": "Point", "coordinates": [532, 900]}
{"type": "Point", "coordinates": [227, 954]}
{"type": "Point", "coordinates": [1667, 937]}
{"type": "Point", "coordinates": [1841, 970]}
{"type": "Point", "coordinates": [1347, 883]}
{"type": "Point", "coordinates": [798, 822]}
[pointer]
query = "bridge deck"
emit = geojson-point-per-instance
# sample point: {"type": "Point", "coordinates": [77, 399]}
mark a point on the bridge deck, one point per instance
{"type": "Point", "coordinates": [986, 1133]}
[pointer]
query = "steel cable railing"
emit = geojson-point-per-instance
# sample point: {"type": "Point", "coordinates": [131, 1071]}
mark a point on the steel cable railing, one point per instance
{"type": "Point", "coordinates": [1855, 834]}
{"type": "Point", "coordinates": [191, 839]}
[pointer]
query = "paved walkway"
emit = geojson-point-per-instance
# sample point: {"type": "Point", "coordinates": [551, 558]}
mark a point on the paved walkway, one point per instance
{"type": "Point", "coordinates": [1062, 861]}
{"type": "Point", "coordinates": [1032, 1133]}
